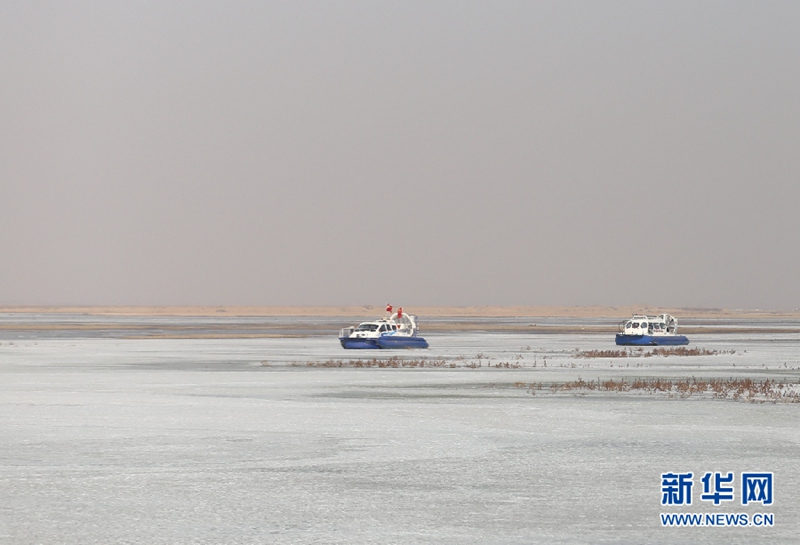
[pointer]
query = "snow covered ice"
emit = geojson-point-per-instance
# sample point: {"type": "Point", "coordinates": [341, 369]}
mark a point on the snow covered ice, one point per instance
{"type": "Point", "coordinates": [161, 440]}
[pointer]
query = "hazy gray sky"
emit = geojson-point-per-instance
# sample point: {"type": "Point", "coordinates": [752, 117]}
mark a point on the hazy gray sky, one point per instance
{"type": "Point", "coordinates": [423, 153]}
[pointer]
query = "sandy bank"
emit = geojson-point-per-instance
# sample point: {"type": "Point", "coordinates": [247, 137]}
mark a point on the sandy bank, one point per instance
{"type": "Point", "coordinates": [424, 311]}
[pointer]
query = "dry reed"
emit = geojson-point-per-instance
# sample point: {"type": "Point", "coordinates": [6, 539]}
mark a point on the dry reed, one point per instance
{"type": "Point", "coordinates": [641, 353]}
{"type": "Point", "coordinates": [736, 389]}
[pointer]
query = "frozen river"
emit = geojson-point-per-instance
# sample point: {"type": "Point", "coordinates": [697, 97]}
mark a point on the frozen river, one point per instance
{"type": "Point", "coordinates": [164, 440]}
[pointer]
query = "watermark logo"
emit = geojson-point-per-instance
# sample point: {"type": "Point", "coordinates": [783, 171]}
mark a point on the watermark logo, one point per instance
{"type": "Point", "coordinates": [718, 487]}
{"type": "Point", "coordinates": [757, 488]}
{"type": "Point", "coordinates": [721, 492]}
{"type": "Point", "coordinates": [676, 488]}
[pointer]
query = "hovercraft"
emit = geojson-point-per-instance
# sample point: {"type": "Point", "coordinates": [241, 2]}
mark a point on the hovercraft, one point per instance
{"type": "Point", "coordinates": [399, 330]}
{"type": "Point", "coordinates": [650, 331]}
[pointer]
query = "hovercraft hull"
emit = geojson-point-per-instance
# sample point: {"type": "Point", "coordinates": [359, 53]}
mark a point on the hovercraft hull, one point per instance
{"type": "Point", "coordinates": [358, 343]}
{"type": "Point", "coordinates": [390, 341]}
{"type": "Point", "coordinates": [651, 340]}
{"type": "Point", "coordinates": [387, 343]}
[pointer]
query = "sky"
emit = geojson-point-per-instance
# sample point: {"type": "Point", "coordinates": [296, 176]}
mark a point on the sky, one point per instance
{"type": "Point", "coordinates": [418, 152]}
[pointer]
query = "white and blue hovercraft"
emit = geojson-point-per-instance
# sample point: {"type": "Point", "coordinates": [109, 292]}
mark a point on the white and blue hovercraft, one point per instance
{"type": "Point", "coordinates": [650, 331]}
{"type": "Point", "coordinates": [397, 331]}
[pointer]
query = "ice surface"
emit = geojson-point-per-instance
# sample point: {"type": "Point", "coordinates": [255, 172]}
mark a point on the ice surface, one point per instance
{"type": "Point", "coordinates": [153, 441]}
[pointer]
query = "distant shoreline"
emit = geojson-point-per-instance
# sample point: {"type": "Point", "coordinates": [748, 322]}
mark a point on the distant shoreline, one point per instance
{"type": "Point", "coordinates": [304, 321]}
{"type": "Point", "coordinates": [423, 311]}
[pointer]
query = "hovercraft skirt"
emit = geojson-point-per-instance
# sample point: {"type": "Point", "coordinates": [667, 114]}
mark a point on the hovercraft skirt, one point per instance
{"type": "Point", "coordinates": [358, 343]}
{"type": "Point", "coordinates": [390, 341]}
{"type": "Point", "coordinates": [651, 340]}
{"type": "Point", "coordinates": [387, 343]}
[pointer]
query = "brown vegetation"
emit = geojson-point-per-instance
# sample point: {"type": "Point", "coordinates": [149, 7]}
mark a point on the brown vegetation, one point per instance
{"type": "Point", "coordinates": [641, 353]}
{"type": "Point", "coordinates": [737, 389]}
{"type": "Point", "coordinates": [398, 362]}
